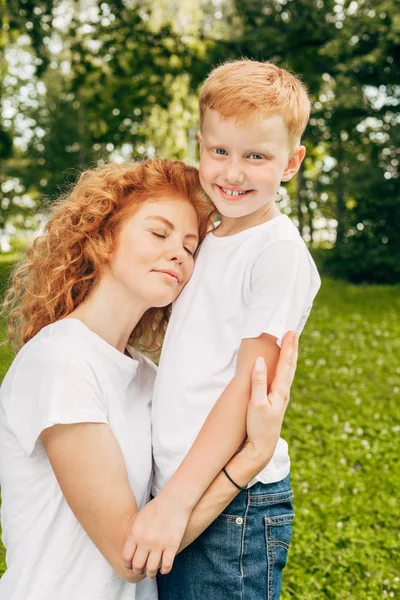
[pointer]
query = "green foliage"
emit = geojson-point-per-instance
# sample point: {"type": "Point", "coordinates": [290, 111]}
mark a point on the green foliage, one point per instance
{"type": "Point", "coordinates": [370, 247]}
{"type": "Point", "coordinates": [5, 144]}
{"type": "Point", "coordinates": [6, 353]}
{"type": "Point", "coordinates": [341, 425]}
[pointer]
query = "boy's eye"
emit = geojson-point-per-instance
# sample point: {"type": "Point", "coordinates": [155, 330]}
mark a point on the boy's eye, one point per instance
{"type": "Point", "coordinates": [256, 156]}
{"type": "Point", "coordinates": [220, 151]}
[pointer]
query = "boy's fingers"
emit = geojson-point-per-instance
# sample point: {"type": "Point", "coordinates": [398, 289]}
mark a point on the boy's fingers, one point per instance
{"type": "Point", "coordinates": [259, 382]}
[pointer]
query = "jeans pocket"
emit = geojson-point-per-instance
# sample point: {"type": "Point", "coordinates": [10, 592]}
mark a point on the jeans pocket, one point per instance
{"type": "Point", "coordinates": [278, 532]}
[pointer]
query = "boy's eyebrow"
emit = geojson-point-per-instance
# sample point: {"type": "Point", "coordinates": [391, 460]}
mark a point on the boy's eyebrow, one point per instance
{"type": "Point", "coordinates": [170, 225]}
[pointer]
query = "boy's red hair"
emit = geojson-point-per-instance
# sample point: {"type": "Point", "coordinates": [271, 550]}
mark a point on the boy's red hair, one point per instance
{"type": "Point", "coordinates": [248, 89]}
{"type": "Point", "coordinates": [65, 261]}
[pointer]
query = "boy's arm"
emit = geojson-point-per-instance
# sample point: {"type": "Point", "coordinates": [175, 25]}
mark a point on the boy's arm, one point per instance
{"type": "Point", "coordinates": [224, 429]}
{"type": "Point", "coordinates": [160, 525]}
{"type": "Point", "coordinates": [263, 426]}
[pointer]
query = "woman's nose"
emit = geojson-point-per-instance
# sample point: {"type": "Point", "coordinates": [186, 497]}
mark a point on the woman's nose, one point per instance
{"type": "Point", "coordinates": [177, 252]}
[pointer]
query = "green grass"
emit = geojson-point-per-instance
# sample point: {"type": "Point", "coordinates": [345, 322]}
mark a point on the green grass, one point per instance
{"type": "Point", "coordinates": [343, 428]}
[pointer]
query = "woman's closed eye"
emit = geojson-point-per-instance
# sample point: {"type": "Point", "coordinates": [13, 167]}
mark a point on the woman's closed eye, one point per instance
{"type": "Point", "coordinates": [163, 236]}
{"type": "Point", "coordinates": [159, 234]}
{"type": "Point", "coordinates": [190, 251]}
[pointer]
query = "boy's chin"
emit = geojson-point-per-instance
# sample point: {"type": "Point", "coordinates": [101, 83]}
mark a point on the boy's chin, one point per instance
{"type": "Point", "coordinates": [243, 211]}
{"type": "Point", "coordinates": [234, 212]}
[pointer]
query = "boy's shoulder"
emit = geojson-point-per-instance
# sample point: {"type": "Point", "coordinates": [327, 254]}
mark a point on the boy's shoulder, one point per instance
{"type": "Point", "coordinates": [281, 241]}
{"type": "Point", "coordinates": [278, 230]}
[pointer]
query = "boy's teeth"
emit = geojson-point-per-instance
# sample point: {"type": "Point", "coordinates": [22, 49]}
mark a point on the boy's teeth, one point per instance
{"type": "Point", "coordinates": [233, 192]}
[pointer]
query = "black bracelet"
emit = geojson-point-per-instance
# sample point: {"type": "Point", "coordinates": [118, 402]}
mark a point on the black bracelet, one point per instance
{"type": "Point", "coordinates": [242, 489]}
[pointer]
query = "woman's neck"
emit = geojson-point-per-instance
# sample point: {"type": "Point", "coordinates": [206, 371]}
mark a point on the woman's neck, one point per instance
{"type": "Point", "coordinates": [110, 312]}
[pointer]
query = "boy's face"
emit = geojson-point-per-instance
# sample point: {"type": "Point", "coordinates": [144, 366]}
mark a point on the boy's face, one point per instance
{"type": "Point", "coordinates": [243, 163]}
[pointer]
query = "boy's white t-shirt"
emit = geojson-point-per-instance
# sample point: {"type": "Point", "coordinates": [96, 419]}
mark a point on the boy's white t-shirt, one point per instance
{"type": "Point", "coordinates": [67, 374]}
{"type": "Point", "coordinates": [261, 280]}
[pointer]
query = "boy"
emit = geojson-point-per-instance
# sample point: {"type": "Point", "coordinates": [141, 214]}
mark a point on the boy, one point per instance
{"type": "Point", "coordinates": [254, 280]}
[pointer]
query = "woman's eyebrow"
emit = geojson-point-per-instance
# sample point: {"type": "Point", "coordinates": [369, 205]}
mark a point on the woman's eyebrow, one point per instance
{"type": "Point", "coordinates": [170, 225]}
{"type": "Point", "coordinates": [164, 221]}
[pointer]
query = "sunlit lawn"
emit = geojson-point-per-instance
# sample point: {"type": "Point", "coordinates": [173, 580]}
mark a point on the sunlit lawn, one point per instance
{"type": "Point", "coordinates": [343, 428]}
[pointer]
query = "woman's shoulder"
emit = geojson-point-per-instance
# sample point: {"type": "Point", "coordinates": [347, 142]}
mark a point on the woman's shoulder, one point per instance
{"type": "Point", "coordinates": [52, 351]}
{"type": "Point", "coordinates": [55, 344]}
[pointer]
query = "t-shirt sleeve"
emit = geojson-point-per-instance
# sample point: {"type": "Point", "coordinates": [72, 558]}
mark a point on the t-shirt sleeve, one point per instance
{"type": "Point", "coordinates": [283, 285]}
{"type": "Point", "coordinates": [50, 392]}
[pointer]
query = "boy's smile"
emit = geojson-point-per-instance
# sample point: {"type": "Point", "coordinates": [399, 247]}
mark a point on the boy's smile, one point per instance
{"type": "Point", "coordinates": [242, 165]}
{"type": "Point", "coordinates": [233, 194]}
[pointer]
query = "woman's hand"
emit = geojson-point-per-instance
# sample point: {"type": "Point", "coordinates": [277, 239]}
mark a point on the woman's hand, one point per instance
{"type": "Point", "coordinates": [154, 537]}
{"type": "Point", "coordinates": [265, 412]}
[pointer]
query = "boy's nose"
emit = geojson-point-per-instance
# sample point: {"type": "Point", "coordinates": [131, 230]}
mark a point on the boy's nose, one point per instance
{"type": "Point", "coordinates": [234, 174]}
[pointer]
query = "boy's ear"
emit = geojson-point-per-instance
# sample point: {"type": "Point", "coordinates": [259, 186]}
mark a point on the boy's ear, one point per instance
{"type": "Point", "coordinates": [294, 163]}
{"type": "Point", "coordinates": [199, 137]}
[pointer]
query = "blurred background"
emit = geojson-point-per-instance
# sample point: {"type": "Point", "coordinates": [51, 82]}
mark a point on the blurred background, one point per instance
{"type": "Point", "coordinates": [88, 81]}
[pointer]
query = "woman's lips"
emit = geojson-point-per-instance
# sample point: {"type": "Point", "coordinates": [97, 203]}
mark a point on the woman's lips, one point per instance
{"type": "Point", "coordinates": [169, 276]}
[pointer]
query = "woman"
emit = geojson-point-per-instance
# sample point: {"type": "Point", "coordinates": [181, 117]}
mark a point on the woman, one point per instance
{"type": "Point", "coordinates": [75, 444]}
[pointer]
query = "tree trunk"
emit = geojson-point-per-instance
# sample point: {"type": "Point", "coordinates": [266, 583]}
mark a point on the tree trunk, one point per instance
{"type": "Point", "coordinates": [81, 132]}
{"type": "Point", "coordinates": [340, 203]}
{"type": "Point", "coordinates": [310, 215]}
{"type": "Point", "coordinates": [301, 192]}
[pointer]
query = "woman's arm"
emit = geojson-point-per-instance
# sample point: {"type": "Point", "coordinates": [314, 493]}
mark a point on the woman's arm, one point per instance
{"type": "Point", "coordinates": [90, 469]}
{"type": "Point", "coordinates": [263, 422]}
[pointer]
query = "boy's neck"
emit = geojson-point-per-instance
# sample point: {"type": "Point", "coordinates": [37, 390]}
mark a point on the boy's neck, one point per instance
{"type": "Point", "coordinates": [232, 225]}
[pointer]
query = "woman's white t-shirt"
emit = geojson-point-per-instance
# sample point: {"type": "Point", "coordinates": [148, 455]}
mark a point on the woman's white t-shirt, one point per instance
{"type": "Point", "coordinates": [67, 374]}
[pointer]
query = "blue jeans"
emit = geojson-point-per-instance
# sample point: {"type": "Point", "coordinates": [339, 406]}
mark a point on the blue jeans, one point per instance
{"type": "Point", "coordinates": [242, 553]}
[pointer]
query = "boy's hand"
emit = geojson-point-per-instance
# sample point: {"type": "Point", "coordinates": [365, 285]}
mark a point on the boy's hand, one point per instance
{"type": "Point", "coordinates": [265, 412]}
{"type": "Point", "coordinates": [154, 537]}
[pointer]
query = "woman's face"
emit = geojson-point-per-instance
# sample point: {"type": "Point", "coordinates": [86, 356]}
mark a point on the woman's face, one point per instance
{"type": "Point", "coordinates": [153, 257]}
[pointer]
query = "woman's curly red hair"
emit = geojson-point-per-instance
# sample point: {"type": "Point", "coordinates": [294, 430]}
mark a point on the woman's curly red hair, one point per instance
{"type": "Point", "coordinates": [65, 261]}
